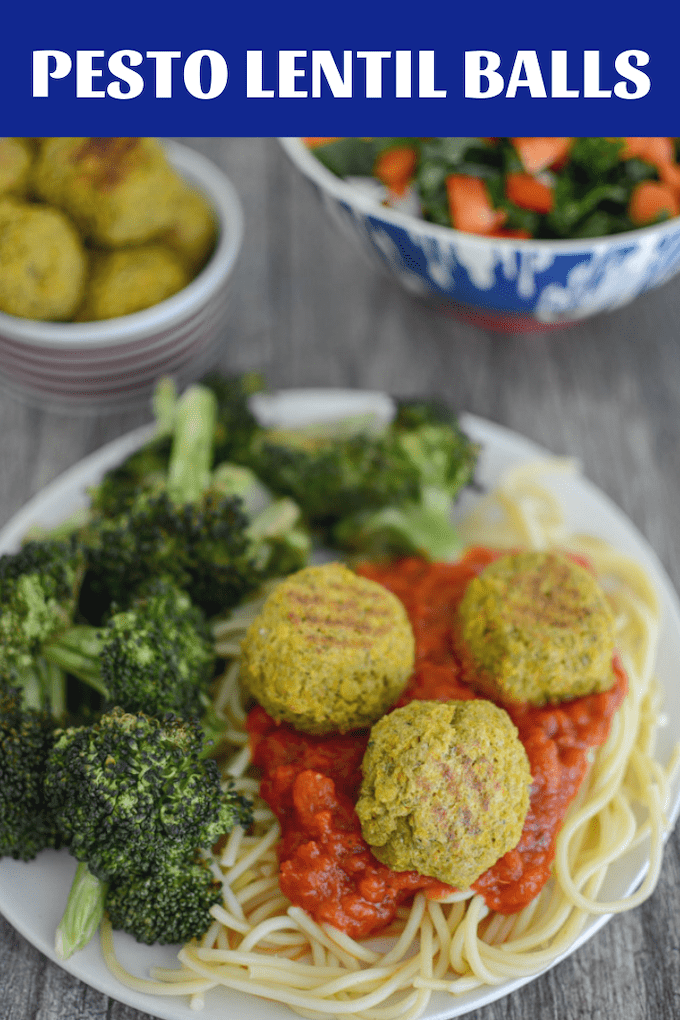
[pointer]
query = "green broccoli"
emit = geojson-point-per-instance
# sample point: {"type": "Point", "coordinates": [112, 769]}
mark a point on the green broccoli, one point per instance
{"type": "Point", "coordinates": [146, 470]}
{"type": "Point", "coordinates": [133, 788]}
{"type": "Point", "coordinates": [190, 527]}
{"type": "Point", "coordinates": [390, 491]}
{"type": "Point", "coordinates": [280, 544]}
{"type": "Point", "coordinates": [169, 904]}
{"type": "Point", "coordinates": [38, 592]}
{"type": "Point", "coordinates": [330, 474]}
{"type": "Point", "coordinates": [235, 424]}
{"type": "Point", "coordinates": [27, 735]}
{"type": "Point", "coordinates": [441, 460]}
{"type": "Point", "coordinates": [183, 530]}
{"type": "Point", "coordinates": [132, 794]}
{"type": "Point", "coordinates": [156, 657]}
{"type": "Point", "coordinates": [202, 547]}
{"type": "Point", "coordinates": [143, 471]}
{"type": "Point", "coordinates": [438, 450]}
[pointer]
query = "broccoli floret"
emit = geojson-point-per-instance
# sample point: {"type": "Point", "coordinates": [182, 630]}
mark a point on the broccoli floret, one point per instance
{"type": "Point", "coordinates": [384, 493]}
{"type": "Point", "coordinates": [162, 644]}
{"type": "Point", "coordinates": [167, 905]}
{"type": "Point", "coordinates": [191, 529]}
{"type": "Point", "coordinates": [437, 449]}
{"type": "Point", "coordinates": [330, 475]}
{"type": "Point", "coordinates": [146, 470]}
{"type": "Point", "coordinates": [133, 795]}
{"type": "Point", "coordinates": [202, 547]}
{"type": "Point", "coordinates": [132, 792]}
{"type": "Point", "coordinates": [187, 531]}
{"type": "Point", "coordinates": [27, 736]}
{"type": "Point", "coordinates": [156, 657]}
{"type": "Point", "coordinates": [441, 459]}
{"type": "Point", "coordinates": [143, 471]}
{"type": "Point", "coordinates": [235, 424]}
{"type": "Point", "coordinates": [38, 592]}
{"type": "Point", "coordinates": [280, 543]}
{"type": "Point", "coordinates": [422, 528]}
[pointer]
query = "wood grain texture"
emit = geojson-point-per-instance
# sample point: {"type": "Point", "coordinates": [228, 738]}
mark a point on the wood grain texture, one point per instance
{"type": "Point", "coordinates": [309, 310]}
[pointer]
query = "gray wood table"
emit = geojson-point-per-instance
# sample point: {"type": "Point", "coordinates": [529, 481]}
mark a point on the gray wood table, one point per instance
{"type": "Point", "coordinates": [308, 311]}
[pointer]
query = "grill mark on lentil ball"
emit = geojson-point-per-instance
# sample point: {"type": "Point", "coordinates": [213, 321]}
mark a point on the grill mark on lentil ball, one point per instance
{"type": "Point", "coordinates": [558, 607]}
{"type": "Point", "coordinates": [351, 623]}
{"type": "Point", "coordinates": [468, 774]}
{"type": "Point", "coordinates": [354, 620]}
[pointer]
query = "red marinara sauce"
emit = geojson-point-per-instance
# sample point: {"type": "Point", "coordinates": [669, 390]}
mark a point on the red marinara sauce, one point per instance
{"type": "Point", "coordinates": [311, 783]}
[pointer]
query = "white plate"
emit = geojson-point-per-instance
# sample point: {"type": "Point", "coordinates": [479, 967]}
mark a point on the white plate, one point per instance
{"type": "Point", "coordinates": [32, 896]}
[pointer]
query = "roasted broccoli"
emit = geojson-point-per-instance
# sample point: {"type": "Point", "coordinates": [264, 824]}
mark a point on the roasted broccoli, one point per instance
{"type": "Point", "coordinates": [202, 547]}
{"type": "Point", "coordinates": [191, 527]}
{"type": "Point", "coordinates": [156, 657]}
{"type": "Point", "coordinates": [330, 475]}
{"type": "Point", "coordinates": [439, 452]}
{"type": "Point", "coordinates": [134, 789]}
{"type": "Point", "coordinates": [169, 904]}
{"type": "Point", "coordinates": [385, 492]}
{"type": "Point", "coordinates": [185, 531]}
{"type": "Point", "coordinates": [146, 469]}
{"type": "Point", "coordinates": [38, 592]}
{"type": "Point", "coordinates": [235, 424]}
{"type": "Point", "coordinates": [279, 542]}
{"type": "Point", "coordinates": [132, 794]}
{"type": "Point", "coordinates": [441, 461]}
{"type": "Point", "coordinates": [143, 471]}
{"type": "Point", "coordinates": [26, 737]}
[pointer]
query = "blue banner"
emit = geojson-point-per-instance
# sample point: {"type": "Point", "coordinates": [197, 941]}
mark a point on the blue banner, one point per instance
{"type": "Point", "coordinates": [312, 68]}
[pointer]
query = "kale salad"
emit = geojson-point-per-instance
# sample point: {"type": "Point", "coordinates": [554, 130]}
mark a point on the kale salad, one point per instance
{"type": "Point", "coordinates": [517, 187]}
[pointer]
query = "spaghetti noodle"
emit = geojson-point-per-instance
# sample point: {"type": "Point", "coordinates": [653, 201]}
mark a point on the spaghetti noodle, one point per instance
{"type": "Point", "coordinates": [260, 944]}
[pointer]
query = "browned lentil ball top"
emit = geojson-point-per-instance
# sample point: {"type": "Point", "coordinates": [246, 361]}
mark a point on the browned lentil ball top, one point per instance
{"type": "Point", "coordinates": [536, 627]}
{"type": "Point", "coordinates": [331, 651]}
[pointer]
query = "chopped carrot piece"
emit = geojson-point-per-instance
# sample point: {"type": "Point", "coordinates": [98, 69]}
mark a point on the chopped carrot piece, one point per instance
{"type": "Point", "coordinates": [660, 152]}
{"type": "Point", "coordinates": [395, 168]}
{"type": "Point", "coordinates": [470, 206]}
{"type": "Point", "coordinates": [649, 200]}
{"type": "Point", "coordinates": [528, 193]}
{"type": "Point", "coordinates": [670, 175]}
{"type": "Point", "coordinates": [314, 143]}
{"type": "Point", "coordinates": [538, 153]}
{"type": "Point", "coordinates": [651, 150]}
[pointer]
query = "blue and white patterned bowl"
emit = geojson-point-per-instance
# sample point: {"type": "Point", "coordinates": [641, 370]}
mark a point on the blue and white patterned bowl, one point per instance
{"type": "Point", "coordinates": [504, 283]}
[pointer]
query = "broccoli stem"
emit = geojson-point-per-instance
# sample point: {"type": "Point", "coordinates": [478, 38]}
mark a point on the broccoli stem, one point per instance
{"type": "Point", "coordinates": [164, 403]}
{"type": "Point", "coordinates": [83, 914]}
{"type": "Point", "coordinates": [43, 686]}
{"type": "Point", "coordinates": [77, 651]}
{"type": "Point", "coordinates": [192, 446]}
{"type": "Point", "coordinates": [54, 686]}
{"type": "Point", "coordinates": [275, 521]}
{"type": "Point", "coordinates": [423, 528]}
